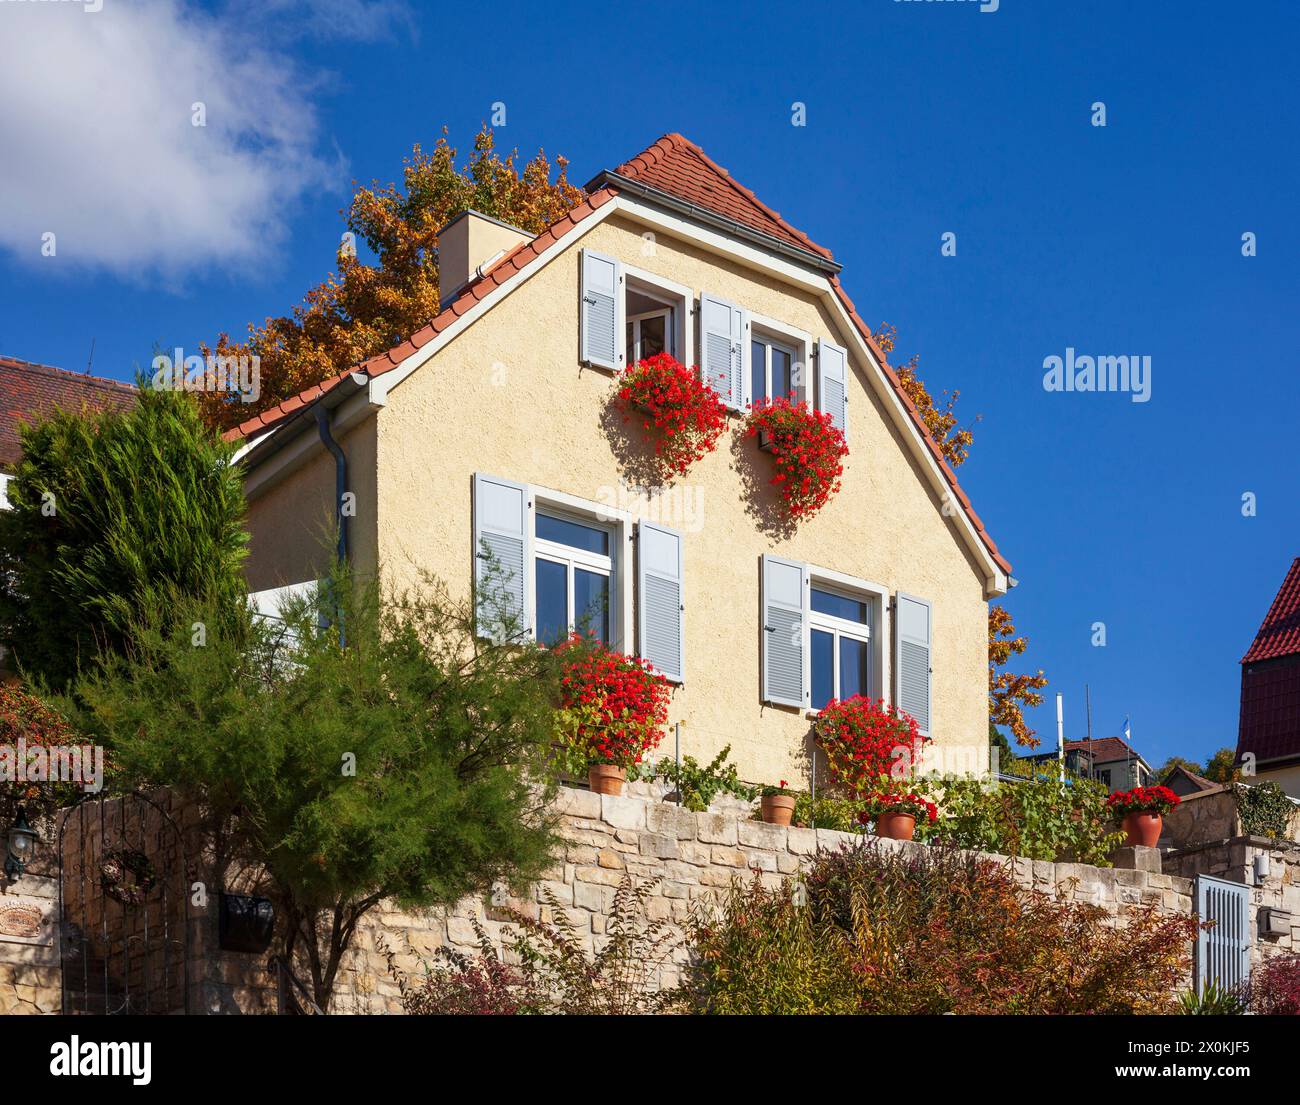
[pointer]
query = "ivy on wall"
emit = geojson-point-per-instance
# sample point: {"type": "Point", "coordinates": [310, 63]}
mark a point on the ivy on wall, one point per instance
{"type": "Point", "coordinates": [1265, 809]}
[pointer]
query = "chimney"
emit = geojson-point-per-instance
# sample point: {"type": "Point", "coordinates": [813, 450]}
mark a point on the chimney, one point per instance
{"type": "Point", "coordinates": [469, 246]}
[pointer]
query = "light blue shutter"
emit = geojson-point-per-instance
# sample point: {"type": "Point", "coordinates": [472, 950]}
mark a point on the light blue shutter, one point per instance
{"type": "Point", "coordinates": [912, 651]}
{"type": "Point", "coordinates": [724, 349]}
{"type": "Point", "coordinates": [1222, 950]}
{"type": "Point", "coordinates": [502, 534]}
{"type": "Point", "coordinates": [785, 632]}
{"type": "Point", "coordinates": [660, 598]}
{"type": "Point", "coordinates": [602, 311]}
{"type": "Point", "coordinates": [833, 383]}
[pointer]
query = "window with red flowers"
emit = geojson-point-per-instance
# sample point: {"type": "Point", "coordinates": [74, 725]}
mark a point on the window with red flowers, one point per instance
{"type": "Point", "coordinates": [807, 449]}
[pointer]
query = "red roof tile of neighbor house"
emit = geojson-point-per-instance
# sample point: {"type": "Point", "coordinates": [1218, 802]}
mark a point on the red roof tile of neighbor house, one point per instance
{"type": "Point", "coordinates": [1269, 723]}
{"type": "Point", "coordinates": [1279, 635]}
{"type": "Point", "coordinates": [29, 390]}
{"type": "Point", "coordinates": [1105, 749]}
{"type": "Point", "coordinates": [677, 166]}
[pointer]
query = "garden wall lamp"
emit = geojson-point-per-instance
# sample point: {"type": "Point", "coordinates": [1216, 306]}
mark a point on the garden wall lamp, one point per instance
{"type": "Point", "coordinates": [22, 843]}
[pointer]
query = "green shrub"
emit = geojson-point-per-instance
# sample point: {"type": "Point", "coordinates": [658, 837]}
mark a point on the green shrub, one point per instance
{"type": "Point", "coordinates": [698, 786]}
{"type": "Point", "coordinates": [1039, 819]}
{"type": "Point", "coordinates": [1213, 1001]}
{"type": "Point", "coordinates": [876, 929]}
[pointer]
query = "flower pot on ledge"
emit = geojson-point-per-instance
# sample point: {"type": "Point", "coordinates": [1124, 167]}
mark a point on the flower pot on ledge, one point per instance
{"type": "Point", "coordinates": [765, 441]}
{"type": "Point", "coordinates": [896, 826]}
{"type": "Point", "coordinates": [606, 778]}
{"type": "Point", "coordinates": [1142, 827]}
{"type": "Point", "coordinates": [777, 809]}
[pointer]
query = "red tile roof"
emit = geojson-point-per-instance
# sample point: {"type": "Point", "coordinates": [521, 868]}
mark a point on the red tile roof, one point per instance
{"type": "Point", "coordinates": [1105, 749]}
{"type": "Point", "coordinates": [679, 167]}
{"type": "Point", "coordinates": [29, 390]}
{"type": "Point", "coordinates": [1280, 633]}
{"type": "Point", "coordinates": [676, 165]}
{"type": "Point", "coordinates": [1269, 723]}
{"type": "Point", "coordinates": [1268, 726]}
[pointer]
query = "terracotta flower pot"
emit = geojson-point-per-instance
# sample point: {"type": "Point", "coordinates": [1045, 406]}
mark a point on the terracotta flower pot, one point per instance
{"type": "Point", "coordinates": [1143, 828]}
{"type": "Point", "coordinates": [896, 826]}
{"type": "Point", "coordinates": [778, 809]}
{"type": "Point", "coordinates": [606, 778]}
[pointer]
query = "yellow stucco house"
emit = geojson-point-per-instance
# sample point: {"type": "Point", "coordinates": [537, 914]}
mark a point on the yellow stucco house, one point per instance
{"type": "Point", "coordinates": [492, 427]}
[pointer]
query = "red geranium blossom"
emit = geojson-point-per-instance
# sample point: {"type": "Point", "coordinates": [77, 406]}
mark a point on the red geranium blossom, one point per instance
{"type": "Point", "coordinates": [680, 411]}
{"type": "Point", "coordinates": [620, 702]}
{"type": "Point", "coordinates": [1143, 800]}
{"type": "Point", "coordinates": [865, 741]}
{"type": "Point", "coordinates": [809, 451]}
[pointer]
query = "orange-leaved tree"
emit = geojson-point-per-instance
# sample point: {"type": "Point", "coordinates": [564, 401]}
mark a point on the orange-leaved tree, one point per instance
{"type": "Point", "coordinates": [1009, 694]}
{"type": "Point", "coordinates": [363, 309]}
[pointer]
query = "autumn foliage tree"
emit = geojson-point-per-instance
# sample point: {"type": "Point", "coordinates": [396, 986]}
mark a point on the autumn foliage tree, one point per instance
{"type": "Point", "coordinates": [1009, 693]}
{"type": "Point", "coordinates": [362, 309]}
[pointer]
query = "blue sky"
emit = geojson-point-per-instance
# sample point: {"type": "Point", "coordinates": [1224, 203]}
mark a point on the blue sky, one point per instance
{"type": "Point", "coordinates": [922, 118]}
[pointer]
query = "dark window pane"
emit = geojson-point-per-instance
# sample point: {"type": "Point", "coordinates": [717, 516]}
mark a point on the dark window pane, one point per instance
{"type": "Point", "coordinates": [823, 668]}
{"type": "Point", "coordinates": [855, 668]}
{"type": "Point", "coordinates": [757, 372]}
{"type": "Point", "coordinates": [573, 534]}
{"type": "Point", "coordinates": [782, 383]}
{"type": "Point", "coordinates": [653, 336]}
{"type": "Point", "coordinates": [837, 606]}
{"type": "Point", "coordinates": [552, 601]}
{"type": "Point", "coordinates": [591, 603]}
{"type": "Point", "coordinates": [632, 358]}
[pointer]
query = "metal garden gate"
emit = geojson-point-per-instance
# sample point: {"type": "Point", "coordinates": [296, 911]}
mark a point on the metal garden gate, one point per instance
{"type": "Point", "coordinates": [123, 906]}
{"type": "Point", "coordinates": [1223, 950]}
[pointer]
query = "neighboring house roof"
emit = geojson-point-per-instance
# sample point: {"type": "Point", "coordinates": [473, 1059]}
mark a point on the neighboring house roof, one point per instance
{"type": "Point", "coordinates": [1106, 750]}
{"type": "Point", "coordinates": [676, 166]}
{"type": "Point", "coordinates": [1191, 783]}
{"type": "Point", "coordinates": [1269, 722]}
{"type": "Point", "coordinates": [1279, 635]}
{"type": "Point", "coordinates": [29, 390]}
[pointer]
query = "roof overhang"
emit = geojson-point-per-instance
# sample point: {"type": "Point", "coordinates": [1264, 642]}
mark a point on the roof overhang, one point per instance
{"type": "Point", "coordinates": [650, 194]}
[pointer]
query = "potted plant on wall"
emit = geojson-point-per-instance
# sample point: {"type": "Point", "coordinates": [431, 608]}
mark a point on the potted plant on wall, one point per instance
{"type": "Point", "coordinates": [808, 449]}
{"type": "Point", "coordinates": [777, 804]}
{"type": "Point", "coordinates": [1142, 811]}
{"type": "Point", "coordinates": [612, 712]}
{"type": "Point", "coordinates": [896, 814]}
{"type": "Point", "coordinates": [682, 414]}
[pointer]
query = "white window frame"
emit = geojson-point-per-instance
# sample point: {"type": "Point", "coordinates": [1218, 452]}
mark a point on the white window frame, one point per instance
{"type": "Point", "coordinates": [876, 632]}
{"type": "Point", "coordinates": [633, 354]}
{"type": "Point", "coordinates": [618, 524]}
{"type": "Point", "coordinates": [5, 480]}
{"type": "Point", "coordinates": [571, 558]}
{"type": "Point", "coordinates": [798, 343]}
{"type": "Point", "coordinates": [676, 298]}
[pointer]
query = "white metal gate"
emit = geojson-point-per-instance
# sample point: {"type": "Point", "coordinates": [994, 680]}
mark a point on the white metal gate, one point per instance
{"type": "Point", "coordinates": [1222, 950]}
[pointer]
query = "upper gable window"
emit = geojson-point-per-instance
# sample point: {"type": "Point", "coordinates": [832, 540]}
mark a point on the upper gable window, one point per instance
{"type": "Point", "coordinates": [771, 369]}
{"type": "Point", "coordinates": [628, 314]}
{"type": "Point", "coordinates": [651, 324]}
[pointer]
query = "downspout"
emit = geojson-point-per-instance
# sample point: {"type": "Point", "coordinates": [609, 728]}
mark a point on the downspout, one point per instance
{"type": "Point", "coordinates": [340, 477]}
{"type": "Point", "coordinates": [323, 420]}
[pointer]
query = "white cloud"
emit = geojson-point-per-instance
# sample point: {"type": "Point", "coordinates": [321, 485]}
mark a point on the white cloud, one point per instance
{"type": "Point", "coordinates": [97, 144]}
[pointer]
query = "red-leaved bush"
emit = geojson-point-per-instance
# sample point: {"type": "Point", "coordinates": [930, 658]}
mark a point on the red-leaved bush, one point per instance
{"type": "Point", "coordinates": [25, 717]}
{"type": "Point", "coordinates": [1275, 987]}
{"type": "Point", "coordinates": [614, 706]}
{"type": "Point", "coordinates": [681, 412]}
{"type": "Point", "coordinates": [809, 452]}
{"type": "Point", "coordinates": [865, 741]}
